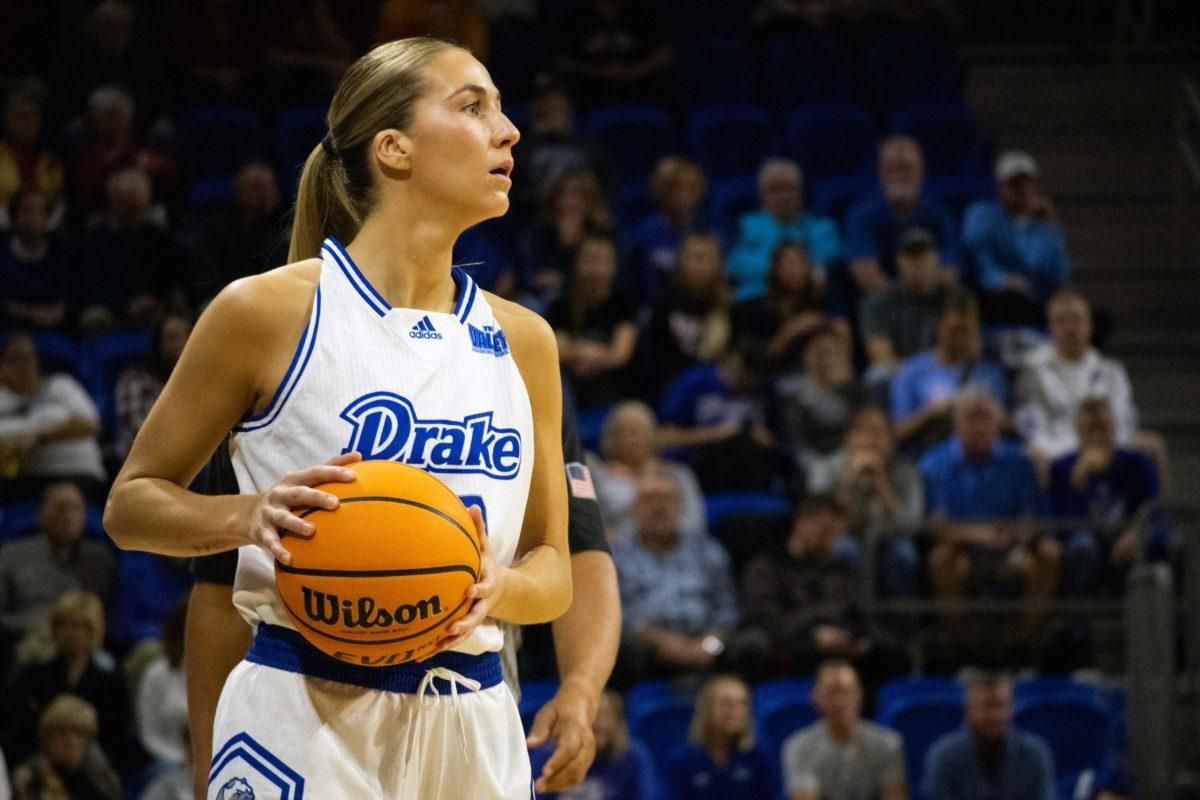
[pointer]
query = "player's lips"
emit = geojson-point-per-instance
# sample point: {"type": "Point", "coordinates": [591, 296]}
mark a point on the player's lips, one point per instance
{"type": "Point", "coordinates": [503, 169]}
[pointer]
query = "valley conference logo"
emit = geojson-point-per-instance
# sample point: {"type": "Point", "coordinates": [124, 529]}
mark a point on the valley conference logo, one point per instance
{"type": "Point", "coordinates": [386, 427]}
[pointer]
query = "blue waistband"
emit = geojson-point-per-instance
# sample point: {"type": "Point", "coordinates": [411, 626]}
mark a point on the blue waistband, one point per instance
{"type": "Point", "coordinates": [285, 649]}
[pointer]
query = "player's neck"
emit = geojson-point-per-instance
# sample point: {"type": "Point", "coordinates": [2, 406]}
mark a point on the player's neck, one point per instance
{"type": "Point", "coordinates": [407, 260]}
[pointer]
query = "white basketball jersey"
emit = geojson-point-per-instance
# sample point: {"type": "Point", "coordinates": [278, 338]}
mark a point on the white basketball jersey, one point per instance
{"type": "Point", "coordinates": [435, 390]}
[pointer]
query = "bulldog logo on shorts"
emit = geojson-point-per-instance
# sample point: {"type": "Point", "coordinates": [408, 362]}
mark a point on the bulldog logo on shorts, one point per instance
{"type": "Point", "coordinates": [236, 789]}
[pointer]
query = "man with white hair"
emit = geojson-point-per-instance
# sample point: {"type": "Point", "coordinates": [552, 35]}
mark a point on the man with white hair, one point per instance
{"type": "Point", "coordinates": [780, 218]}
{"type": "Point", "coordinates": [1014, 247]}
{"type": "Point", "coordinates": [982, 500]}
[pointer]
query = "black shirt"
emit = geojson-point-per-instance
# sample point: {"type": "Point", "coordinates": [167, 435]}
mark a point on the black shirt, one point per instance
{"type": "Point", "coordinates": [585, 529]}
{"type": "Point", "coordinates": [598, 325]}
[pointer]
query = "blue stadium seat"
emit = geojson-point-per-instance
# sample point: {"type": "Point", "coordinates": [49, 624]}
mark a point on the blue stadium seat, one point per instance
{"type": "Point", "coordinates": [632, 204]}
{"type": "Point", "coordinates": [297, 131]}
{"type": "Point", "coordinates": [956, 192]}
{"type": "Point", "coordinates": [659, 717]}
{"type": "Point", "coordinates": [835, 196]}
{"type": "Point", "coordinates": [18, 520]}
{"type": "Point", "coordinates": [712, 70]}
{"type": "Point", "coordinates": [534, 695]}
{"type": "Point", "coordinates": [921, 721]}
{"type": "Point", "coordinates": [832, 140]}
{"type": "Point", "coordinates": [216, 141]}
{"type": "Point", "coordinates": [58, 352]}
{"type": "Point", "coordinates": [802, 69]}
{"type": "Point", "coordinates": [729, 140]}
{"type": "Point", "coordinates": [728, 200]}
{"type": "Point", "coordinates": [917, 686]}
{"type": "Point", "coordinates": [516, 54]}
{"type": "Point", "coordinates": [782, 707]}
{"type": "Point", "coordinates": [634, 136]}
{"type": "Point", "coordinates": [1073, 720]}
{"type": "Point", "coordinates": [106, 356]}
{"type": "Point", "coordinates": [718, 506]}
{"type": "Point", "coordinates": [905, 70]}
{"type": "Point", "coordinates": [947, 134]}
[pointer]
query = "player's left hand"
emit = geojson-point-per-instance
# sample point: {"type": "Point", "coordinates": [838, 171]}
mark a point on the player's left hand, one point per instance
{"type": "Point", "coordinates": [483, 595]}
{"type": "Point", "coordinates": [567, 719]}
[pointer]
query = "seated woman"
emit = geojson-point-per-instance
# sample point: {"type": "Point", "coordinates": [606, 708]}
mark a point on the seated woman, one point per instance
{"type": "Point", "coordinates": [67, 764]}
{"type": "Point", "coordinates": [792, 309]}
{"type": "Point", "coordinates": [597, 332]}
{"type": "Point", "coordinates": [721, 761]}
{"type": "Point", "coordinates": [628, 448]}
{"type": "Point", "coordinates": [624, 768]}
{"type": "Point", "coordinates": [35, 266]}
{"type": "Point", "coordinates": [690, 323]}
{"type": "Point", "coordinates": [679, 189]}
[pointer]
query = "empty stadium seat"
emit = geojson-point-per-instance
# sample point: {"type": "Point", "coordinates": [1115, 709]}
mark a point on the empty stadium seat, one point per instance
{"type": "Point", "coordinates": [659, 716]}
{"type": "Point", "coordinates": [58, 352]}
{"type": "Point", "coordinates": [712, 70]}
{"type": "Point", "coordinates": [728, 200]}
{"type": "Point", "coordinates": [921, 721]}
{"type": "Point", "coordinates": [917, 686]}
{"type": "Point", "coordinates": [534, 695]}
{"type": "Point", "coordinates": [909, 69]}
{"type": "Point", "coordinates": [729, 140]}
{"type": "Point", "coordinates": [832, 140]}
{"type": "Point", "coordinates": [782, 707]}
{"type": "Point", "coordinates": [717, 506]}
{"type": "Point", "coordinates": [803, 69]}
{"type": "Point", "coordinates": [216, 141]}
{"type": "Point", "coordinates": [1073, 720]}
{"type": "Point", "coordinates": [634, 136]}
{"type": "Point", "coordinates": [948, 136]}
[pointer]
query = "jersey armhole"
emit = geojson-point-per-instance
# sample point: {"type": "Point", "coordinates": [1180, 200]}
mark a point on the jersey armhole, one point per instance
{"type": "Point", "coordinates": [295, 370]}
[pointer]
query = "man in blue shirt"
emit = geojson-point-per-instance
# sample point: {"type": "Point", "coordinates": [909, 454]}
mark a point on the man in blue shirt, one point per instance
{"type": "Point", "coordinates": [988, 759]}
{"type": "Point", "coordinates": [781, 218]}
{"type": "Point", "coordinates": [875, 226]}
{"type": "Point", "coordinates": [981, 499]}
{"type": "Point", "coordinates": [1014, 247]}
{"type": "Point", "coordinates": [1101, 488]}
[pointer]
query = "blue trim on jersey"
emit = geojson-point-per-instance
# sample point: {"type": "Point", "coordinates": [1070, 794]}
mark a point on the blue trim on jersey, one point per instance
{"type": "Point", "coordinates": [285, 649]}
{"type": "Point", "coordinates": [469, 292]}
{"type": "Point", "coordinates": [353, 274]}
{"type": "Point", "coordinates": [304, 351]}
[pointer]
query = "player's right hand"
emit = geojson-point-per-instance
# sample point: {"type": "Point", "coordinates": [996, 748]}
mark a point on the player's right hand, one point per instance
{"type": "Point", "coordinates": [272, 517]}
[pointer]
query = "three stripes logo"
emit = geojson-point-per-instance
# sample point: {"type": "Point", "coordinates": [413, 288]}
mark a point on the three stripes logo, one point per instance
{"type": "Point", "coordinates": [423, 330]}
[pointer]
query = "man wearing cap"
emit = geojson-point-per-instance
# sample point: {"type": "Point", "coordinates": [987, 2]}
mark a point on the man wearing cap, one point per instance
{"type": "Point", "coordinates": [1015, 251]}
{"type": "Point", "coordinates": [876, 225]}
{"type": "Point", "coordinates": [901, 320]}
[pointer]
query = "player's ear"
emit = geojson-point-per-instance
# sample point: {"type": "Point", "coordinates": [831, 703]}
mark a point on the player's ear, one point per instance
{"type": "Point", "coordinates": [393, 149]}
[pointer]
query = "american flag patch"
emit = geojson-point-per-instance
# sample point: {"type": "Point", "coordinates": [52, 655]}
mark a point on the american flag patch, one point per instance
{"type": "Point", "coordinates": [579, 480]}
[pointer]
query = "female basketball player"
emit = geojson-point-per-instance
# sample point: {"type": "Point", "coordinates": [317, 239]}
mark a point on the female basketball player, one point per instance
{"type": "Point", "coordinates": [378, 348]}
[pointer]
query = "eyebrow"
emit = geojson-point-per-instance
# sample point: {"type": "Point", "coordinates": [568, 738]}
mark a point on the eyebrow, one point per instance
{"type": "Point", "coordinates": [475, 88]}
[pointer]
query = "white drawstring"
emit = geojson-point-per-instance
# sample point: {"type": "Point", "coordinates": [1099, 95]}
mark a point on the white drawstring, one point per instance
{"type": "Point", "coordinates": [427, 695]}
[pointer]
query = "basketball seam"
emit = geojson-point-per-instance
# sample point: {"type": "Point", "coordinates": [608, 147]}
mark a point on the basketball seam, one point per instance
{"type": "Point", "coordinates": [378, 642]}
{"type": "Point", "coordinates": [376, 573]}
{"type": "Point", "coordinates": [402, 501]}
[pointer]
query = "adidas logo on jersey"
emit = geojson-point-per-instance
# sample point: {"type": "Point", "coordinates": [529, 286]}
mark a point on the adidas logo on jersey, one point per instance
{"type": "Point", "coordinates": [489, 340]}
{"type": "Point", "coordinates": [423, 330]}
{"type": "Point", "coordinates": [386, 426]}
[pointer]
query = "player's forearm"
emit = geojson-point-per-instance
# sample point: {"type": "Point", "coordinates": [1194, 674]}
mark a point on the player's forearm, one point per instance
{"type": "Point", "coordinates": [155, 515]}
{"type": "Point", "coordinates": [587, 636]}
{"type": "Point", "coordinates": [537, 589]}
{"type": "Point", "coordinates": [216, 639]}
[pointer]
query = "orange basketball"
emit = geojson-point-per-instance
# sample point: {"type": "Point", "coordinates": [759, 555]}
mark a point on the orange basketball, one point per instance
{"type": "Point", "coordinates": [387, 571]}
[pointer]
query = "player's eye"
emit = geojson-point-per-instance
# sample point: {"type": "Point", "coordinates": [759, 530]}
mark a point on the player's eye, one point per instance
{"type": "Point", "coordinates": [474, 108]}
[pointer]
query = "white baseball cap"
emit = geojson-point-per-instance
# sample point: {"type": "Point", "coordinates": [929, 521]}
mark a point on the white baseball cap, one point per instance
{"type": "Point", "coordinates": [1014, 163]}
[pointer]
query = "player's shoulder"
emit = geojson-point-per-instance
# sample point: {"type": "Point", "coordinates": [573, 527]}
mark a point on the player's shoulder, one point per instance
{"type": "Point", "coordinates": [527, 332]}
{"type": "Point", "coordinates": [267, 303]}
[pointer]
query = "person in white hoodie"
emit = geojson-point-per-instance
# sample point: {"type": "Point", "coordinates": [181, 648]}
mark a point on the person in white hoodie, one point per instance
{"type": "Point", "coordinates": [1065, 372]}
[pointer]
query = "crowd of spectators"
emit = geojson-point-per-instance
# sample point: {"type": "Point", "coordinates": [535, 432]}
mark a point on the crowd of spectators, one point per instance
{"type": "Point", "coordinates": [824, 358]}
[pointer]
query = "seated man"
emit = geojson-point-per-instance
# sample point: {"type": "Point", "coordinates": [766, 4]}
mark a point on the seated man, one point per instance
{"type": "Point", "coordinates": [843, 757]}
{"type": "Point", "coordinates": [875, 226]}
{"type": "Point", "coordinates": [677, 592]}
{"type": "Point", "coordinates": [781, 217]}
{"type": "Point", "coordinates": [989, 759]}
{"type": "Point", "coordinates": [1101, 488]}
{"type": "Point", "coordinates": [981, 499]}
{"type": "Point", "coordinates": [923, 387]}
{"type": "Point", "coordinates": [1013, 246]}
{"type": "Point", "coordinates": [900, 320]}
{"type": "Point", "coordinates": [34, 571]}
{"type": "Point", "coordinates": [806, 598]}
{"type": "Point", "coordinates": [1064, 373]}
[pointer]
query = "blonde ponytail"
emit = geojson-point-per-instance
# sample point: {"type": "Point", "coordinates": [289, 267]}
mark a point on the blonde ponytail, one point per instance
{"type": "Point", "coordinates": [377, 92]}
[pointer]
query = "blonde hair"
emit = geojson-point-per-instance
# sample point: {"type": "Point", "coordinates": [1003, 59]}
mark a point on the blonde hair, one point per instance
{"type": "Point", "coordinates": [669, 172]}
{"type": "Point", "coordinates": [80, 605]}
{"type": "Point", "coordinates": [700, 731]}
{"type": "Point", "coordinates": [378, 91]}
{"type": "Point", "coordinates": [625, 408]}
{"type": "Point", "coordinates": [69, 711]}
